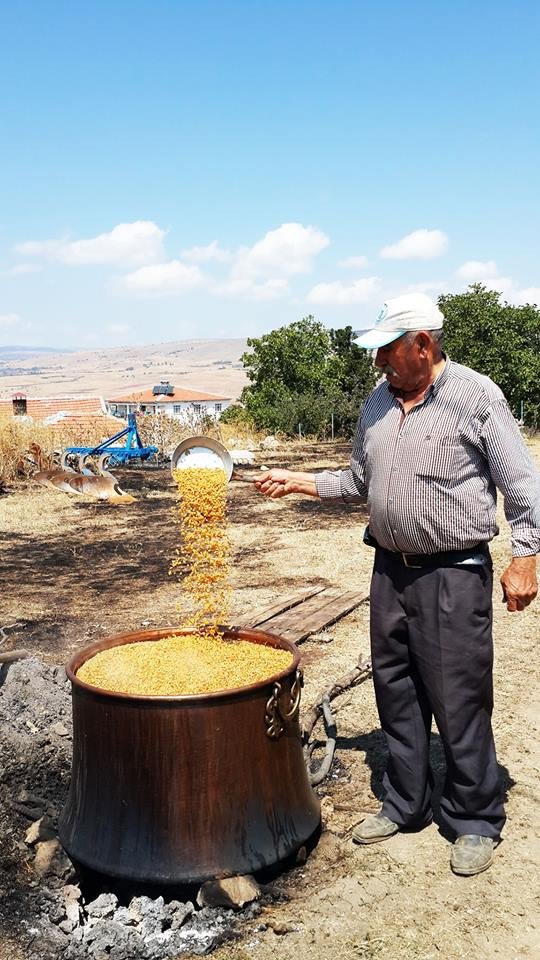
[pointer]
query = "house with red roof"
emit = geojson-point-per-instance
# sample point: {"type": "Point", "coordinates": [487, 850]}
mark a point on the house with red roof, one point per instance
{"type": "Point", "coordinates": [51, 411]}
{"type": "Point", "coordinates": [176, 402]}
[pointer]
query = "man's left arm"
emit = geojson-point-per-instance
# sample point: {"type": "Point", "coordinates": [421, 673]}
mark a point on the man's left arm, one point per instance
{"type": "Point", "coordinates": [514, 473]}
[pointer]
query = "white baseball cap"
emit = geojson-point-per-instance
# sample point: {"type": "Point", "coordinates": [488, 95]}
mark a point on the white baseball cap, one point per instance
{"type": "Point", "coordinates": [412, 311]}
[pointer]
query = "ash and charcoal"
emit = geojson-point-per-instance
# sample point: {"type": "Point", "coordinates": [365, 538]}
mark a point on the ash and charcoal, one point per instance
{"type": "Point", "coordinates": [48, 910]}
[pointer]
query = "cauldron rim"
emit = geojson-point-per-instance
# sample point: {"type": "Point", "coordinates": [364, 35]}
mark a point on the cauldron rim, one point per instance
{"type": "Point", "coordinates": [140, 636]}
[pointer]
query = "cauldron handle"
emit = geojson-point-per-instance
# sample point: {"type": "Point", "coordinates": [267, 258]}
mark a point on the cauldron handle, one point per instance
{"type": "Point", "coordinates": [275, 717]}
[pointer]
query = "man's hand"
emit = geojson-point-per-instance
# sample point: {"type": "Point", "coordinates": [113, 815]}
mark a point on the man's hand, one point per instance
{"type": "Point", "coordinates": [279, 483]}
{"type": "Point", "coordinates": [519, 583]}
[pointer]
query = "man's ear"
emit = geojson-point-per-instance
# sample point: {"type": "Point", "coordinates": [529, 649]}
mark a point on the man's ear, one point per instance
{"type": "Point", "coordinates": [423, 343]}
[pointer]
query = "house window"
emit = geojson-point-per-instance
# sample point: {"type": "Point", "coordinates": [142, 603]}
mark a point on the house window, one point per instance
{"type": "Point", "coordinates": [177, 408]}
{"type": "Point", "coordinates": [19, 406]}
{"type": "Point", "coordinates": [196, 407]}
{"type": "Point", "coordinates": [217, 407]}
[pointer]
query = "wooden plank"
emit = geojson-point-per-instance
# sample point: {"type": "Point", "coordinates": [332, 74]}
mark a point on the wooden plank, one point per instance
{"type": "Point", "coordinates": [324, 617]}
{"type": "Point", "coordinates": [314, 614]}
{"type": "Point", "coordinates": [295, 619]}
{"type": "Point", "coordinates": [265, 613]}
{"type": "Point", "coordinates": [298, 617]}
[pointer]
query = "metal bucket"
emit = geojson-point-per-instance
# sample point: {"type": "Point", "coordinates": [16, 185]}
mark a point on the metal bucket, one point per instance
{"type": "Point", "coordinates": [202, 452]}
{"type": "Point", "coordinates": [183, 789]}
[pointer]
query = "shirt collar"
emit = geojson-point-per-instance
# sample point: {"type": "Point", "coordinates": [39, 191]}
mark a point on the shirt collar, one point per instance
{"type": "Point", "coordinates": [441, 378]}
{"type": "Point", "coordinates": [433, 388]}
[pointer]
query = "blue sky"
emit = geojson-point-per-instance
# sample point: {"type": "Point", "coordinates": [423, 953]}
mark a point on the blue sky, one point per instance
{"type": "Point", "coordinates": [185, 169]}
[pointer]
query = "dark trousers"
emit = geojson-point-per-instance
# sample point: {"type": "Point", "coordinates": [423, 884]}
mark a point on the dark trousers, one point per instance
{"type": "Point", "coordinates": [432, 654]}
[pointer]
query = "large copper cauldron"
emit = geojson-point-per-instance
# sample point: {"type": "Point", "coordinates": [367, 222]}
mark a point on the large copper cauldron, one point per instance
{"type": "Point", "coordinates": [183, 789]}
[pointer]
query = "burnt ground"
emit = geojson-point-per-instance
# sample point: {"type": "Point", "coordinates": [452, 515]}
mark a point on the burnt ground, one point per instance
{"type": "Point", "coordinates": [74, 570]}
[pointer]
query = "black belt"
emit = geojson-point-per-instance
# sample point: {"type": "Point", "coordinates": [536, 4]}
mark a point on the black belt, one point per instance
{"type": "Point", "coordinates": [446, 558]}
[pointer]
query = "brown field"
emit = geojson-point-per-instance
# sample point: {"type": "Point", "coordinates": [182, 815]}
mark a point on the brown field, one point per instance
{"type": "Point", "coordinates": [212, 366]}
{"type": "Point", "coordinates": [75, 570]}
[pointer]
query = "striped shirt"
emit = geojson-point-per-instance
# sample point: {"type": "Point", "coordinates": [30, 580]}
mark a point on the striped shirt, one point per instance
{"type": "Point", "coordinates": [430, 477]}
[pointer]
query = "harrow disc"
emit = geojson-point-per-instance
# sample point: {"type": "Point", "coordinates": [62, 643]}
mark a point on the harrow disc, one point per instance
{"type": "Point", "coordinates": [69, 461]}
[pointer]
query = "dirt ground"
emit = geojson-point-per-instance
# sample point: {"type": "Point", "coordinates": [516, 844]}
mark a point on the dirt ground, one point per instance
{"type": "Point", "coordinates": [74, 570]}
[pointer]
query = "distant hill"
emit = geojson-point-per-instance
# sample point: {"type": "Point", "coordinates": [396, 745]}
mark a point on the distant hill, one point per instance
{"type": "Point", "coordinates": [213, 366]}
{"type": "Point", "coordinates": [20, 353]}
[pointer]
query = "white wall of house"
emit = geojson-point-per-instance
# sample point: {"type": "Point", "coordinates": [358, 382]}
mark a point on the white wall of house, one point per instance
{"type": "Point", "coordinates": [186, 411]}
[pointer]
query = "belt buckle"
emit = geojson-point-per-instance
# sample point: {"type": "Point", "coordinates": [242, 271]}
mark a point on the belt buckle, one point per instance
{"type": "Point", "coordinates": [412, 566]}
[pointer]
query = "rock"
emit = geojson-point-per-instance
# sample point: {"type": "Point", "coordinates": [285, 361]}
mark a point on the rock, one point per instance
{"type": "Point", "coordinates": [59, 729]}
{"type": "Point", "coordinates": [102, 907]}
{"type": "Point", "coordinates": [321, 637]}
{"type": "Point", "coordinates": [73, 916]}
{"type": "Point", "coordinates": [71, 892]}
{"type": "Point", "coordinates": [123, 916]}
{"type": "Point", "coordinates": [206, 930]}
{"type": "Point", "coordinates": [242, 457]}
{"type": "Point", "coordinates": [57, 913]}
{"type": "Point", "coordinates": [46, 852]}
{"type": "Point", "coordinates": [176, 913]}
{"type": "Point", "coordinates": [269, 443]}
{"type": "Point", "coordinates": [108, 939]}
{"type": "Point", "coordinates": [281, 927]}
{"type": "Point", "coordinates": [38, 831]}
{"type": "Point", "coordinates": [232, 892]}
{"type": "Point", "coordinates": [148, 913]}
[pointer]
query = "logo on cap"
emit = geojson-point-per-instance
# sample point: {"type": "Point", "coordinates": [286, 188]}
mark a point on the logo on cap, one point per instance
{"type": "Point", "coordinates": [383, 313]}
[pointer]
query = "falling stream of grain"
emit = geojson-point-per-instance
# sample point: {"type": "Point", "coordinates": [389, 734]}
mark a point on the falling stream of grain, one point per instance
{"type": "Point", "coordinates": [202, 661]}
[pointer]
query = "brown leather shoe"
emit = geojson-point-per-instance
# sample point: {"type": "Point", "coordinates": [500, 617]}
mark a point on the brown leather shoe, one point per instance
{"type": "Point", "coordinates": [373, 828]}
{"type": "Point", "coordinates": [471, 854]}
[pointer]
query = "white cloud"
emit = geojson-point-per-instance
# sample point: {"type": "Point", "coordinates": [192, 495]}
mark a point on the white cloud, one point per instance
{"type": "Point", "coordinates": [355, 263]}
{"type": "Point", "coordinates": [504, 286]}
{"type": "Point", "coordinates": [288, 250]}
{"type": "Point", "coordinates": [172, 276]}
{"type": "Point", "coordinates": [477, 270]}
{"type": "Point", "coordinates": [361, 291]}
{"type": "Point", "coordinates": [419, 245]}
{"type": "Point", "coordinates": [9, 320]}
{"type": "Point", "coordinates": [486, 273]}
{"type": "Point", "coordinates": [134, 243]}
{"type": "Point", "coordinates": [19, 269]}
{"type": "Point", "coordinates": [528, 295]}
{"type": "Point", "coordinates": [212, 251]}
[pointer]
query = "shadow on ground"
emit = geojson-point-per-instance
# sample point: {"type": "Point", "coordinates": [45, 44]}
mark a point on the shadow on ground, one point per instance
{"type": "Point", "coordinates": [373, 745]}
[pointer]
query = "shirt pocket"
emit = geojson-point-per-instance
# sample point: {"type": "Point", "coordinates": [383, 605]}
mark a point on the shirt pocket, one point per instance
{"type": "Point", "coordinates": [440, 458]}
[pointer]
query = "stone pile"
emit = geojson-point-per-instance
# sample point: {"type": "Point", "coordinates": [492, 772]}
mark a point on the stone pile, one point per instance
{"type": "Point", "coordinates": [145, 929]}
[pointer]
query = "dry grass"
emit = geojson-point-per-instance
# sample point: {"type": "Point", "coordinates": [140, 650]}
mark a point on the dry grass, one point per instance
{"type": "Point", "coordinates": [17, 436]}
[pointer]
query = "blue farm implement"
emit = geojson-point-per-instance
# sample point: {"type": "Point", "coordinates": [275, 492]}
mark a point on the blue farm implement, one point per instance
{"type": "Point", "coordinates": [107, 454]}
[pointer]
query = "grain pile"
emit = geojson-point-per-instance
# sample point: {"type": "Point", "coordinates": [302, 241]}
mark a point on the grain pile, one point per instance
{"type": "Point", "coordinates": [182, 665]}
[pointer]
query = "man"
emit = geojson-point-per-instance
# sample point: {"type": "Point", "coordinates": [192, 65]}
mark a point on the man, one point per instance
{"type": "Point", "coordinates": [433, 442]}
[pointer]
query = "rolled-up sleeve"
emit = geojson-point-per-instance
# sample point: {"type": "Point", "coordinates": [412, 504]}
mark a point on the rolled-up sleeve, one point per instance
{"type": "Point", "coordinates": [347, 485]}
{"type": "Point", "coordinates": [514, 473]}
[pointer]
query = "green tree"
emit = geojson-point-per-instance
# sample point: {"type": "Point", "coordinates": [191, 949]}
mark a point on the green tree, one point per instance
{"type": "Point", "coordinates": [499, 340]}
{"type": "Point", "coordinates": [302, 374]}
